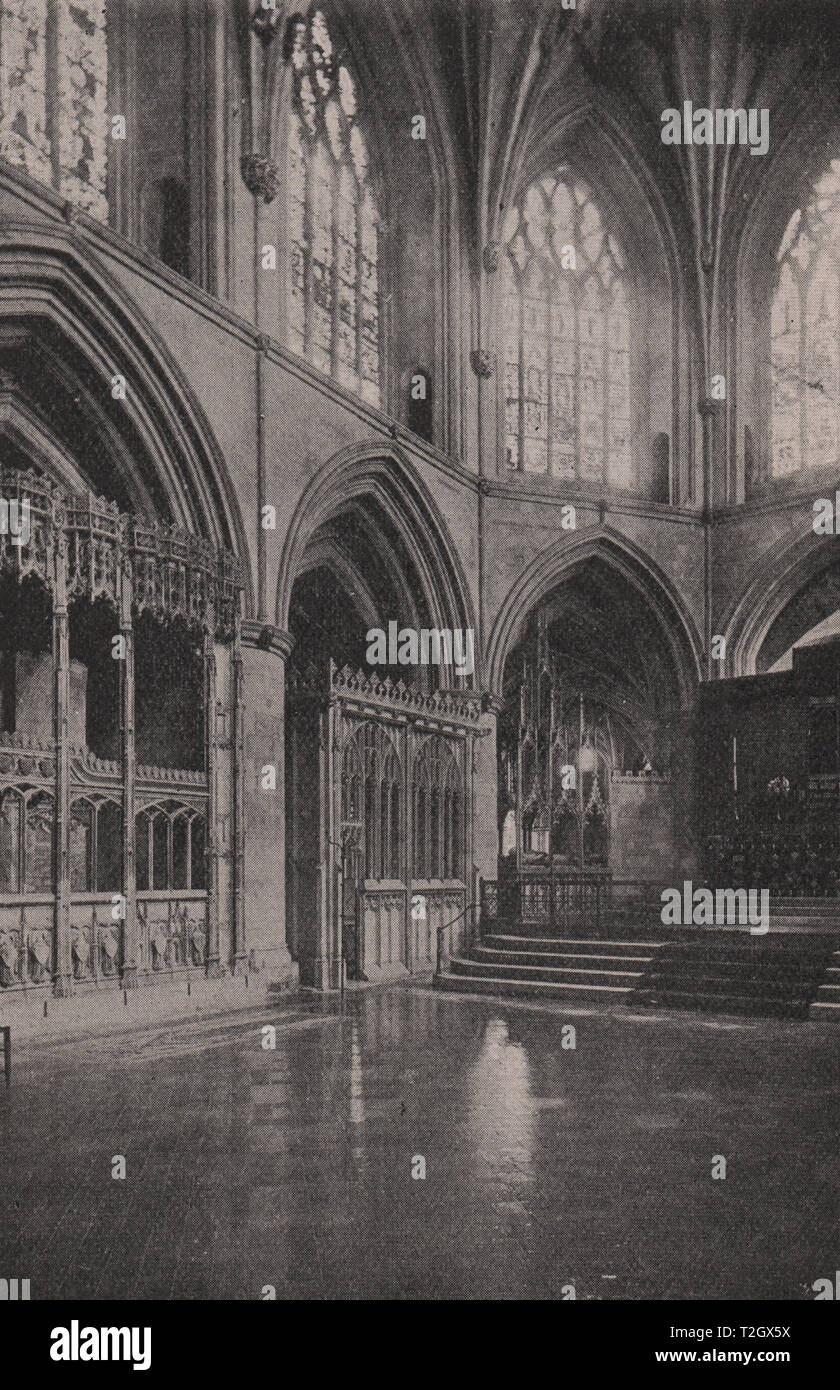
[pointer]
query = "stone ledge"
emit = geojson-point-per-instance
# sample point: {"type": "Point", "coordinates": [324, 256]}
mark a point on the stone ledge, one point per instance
{"type": "Point", "coordinates": [101, 1012]}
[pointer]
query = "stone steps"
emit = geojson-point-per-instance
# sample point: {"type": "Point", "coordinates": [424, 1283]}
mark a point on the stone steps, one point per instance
{"type": "Point", "coordinates": [504, 985]}
{"type": "Point", "coordinates": [708, 970]}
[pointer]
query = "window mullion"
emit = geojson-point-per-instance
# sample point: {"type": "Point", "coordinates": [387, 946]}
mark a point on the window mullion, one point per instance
{"type": "Point", "coordinates": [549, 367]}
{"type": "Point", "coordinates": [605, 388]}
{"type": "Point", "coordinates": [357, 212]}
{"type": "Point", "coordinates": [336, 277]}
{"type": "Point", "coordinates": [308, 148]}
{"type": "Point", "coordinates": [521, 411]}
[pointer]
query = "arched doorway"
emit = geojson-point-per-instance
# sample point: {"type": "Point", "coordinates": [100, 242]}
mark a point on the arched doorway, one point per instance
{"type": "Point", "coordinates": [586, 737]}
{"type": "Point", "coordinates": [378, 761]}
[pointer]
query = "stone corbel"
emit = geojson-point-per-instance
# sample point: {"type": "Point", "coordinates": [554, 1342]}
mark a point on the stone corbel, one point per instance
{"type": "Point", "coordinates": [266, 21]}
{"type": "Point", "coordinates": [261, 176]}
{"type": "Point", "coordinates": [483, 362]}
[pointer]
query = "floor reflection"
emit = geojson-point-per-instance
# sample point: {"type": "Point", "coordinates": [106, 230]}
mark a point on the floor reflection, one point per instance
{"type": "Point", "coordinates": [292, 1168]}
{"type": "Point", "coordinates": [499, 1107]}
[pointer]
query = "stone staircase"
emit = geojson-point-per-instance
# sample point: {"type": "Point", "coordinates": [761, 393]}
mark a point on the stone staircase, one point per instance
{"type": "Point", "coordinates": [551, 967]}
{"type": "Point", "coordinates": [777, 976]}
{"type": "Point", "coordinates": [792, 972]}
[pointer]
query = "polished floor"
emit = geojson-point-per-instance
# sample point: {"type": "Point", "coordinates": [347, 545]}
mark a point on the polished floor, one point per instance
{"type": "Point", "coordinates": [546, 1166]}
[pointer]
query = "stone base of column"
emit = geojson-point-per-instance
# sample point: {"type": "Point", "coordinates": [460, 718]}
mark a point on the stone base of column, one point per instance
{"type": "Point", "coordinates": [129, 977]}
{"type": "Point", "coordinates": [63, 986]}
{"type": "Point", "coordinates": [240, 967]}
{"type": "Point", "coordinates": [215, 969]}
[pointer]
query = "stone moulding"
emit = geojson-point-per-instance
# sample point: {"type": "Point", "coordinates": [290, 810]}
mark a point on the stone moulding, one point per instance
{"type": "Point", "coordinates": [387, 694]}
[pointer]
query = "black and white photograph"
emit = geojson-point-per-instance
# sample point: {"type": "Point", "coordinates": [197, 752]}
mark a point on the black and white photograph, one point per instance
{"type": "Point", "coordinates": [420, 664]}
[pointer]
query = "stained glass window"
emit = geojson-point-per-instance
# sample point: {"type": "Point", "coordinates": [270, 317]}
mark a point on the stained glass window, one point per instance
{"type": "Point", "coordinates": [333, 223]}
{"type": "Point", "coordinates": [53, 95]}
{"type": "Point", "coordinates": [805, 347]}
{"type": "Point", "coordinates": [566, 310]}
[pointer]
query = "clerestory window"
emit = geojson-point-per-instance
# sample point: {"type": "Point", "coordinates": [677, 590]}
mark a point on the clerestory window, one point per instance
{"type": "Point", "coordinates": [805, 346]}
{"type": "Point", "coordinates": [333, 220]}
{"type": "Point", "coordinates": [567, 308]}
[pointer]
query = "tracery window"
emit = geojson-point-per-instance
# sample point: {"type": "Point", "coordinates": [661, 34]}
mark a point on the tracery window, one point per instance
{"type": "Point", "coordinates": [805, 346]}
{"type": "Point", "coordinates": [26, 841]}
{"type": "Point", "coordinates": [53, 95]}
{"type": "Point", "coordinates": [567, 307]}
{"type": "Point", "coordinates": [333, 221]}
{"type": "Point", "coordinates": [372, 795]}
{"type": "Point", "coordinates": [171, 848]}
{"type": "Point", "coordinates": [438, 812]}
{"type": "Point", "coordinates": [95, 845]}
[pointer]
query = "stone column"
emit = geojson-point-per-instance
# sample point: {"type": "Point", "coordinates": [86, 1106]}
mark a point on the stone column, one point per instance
{"type": "Point", "coordinates": [264, 651]}
{"type": "Point", "coordinates": [63, 977]}
{"type": "Point", "coordinates": [486, 791]}
{"type": "Point", "coordinates": [131, 934]}
{"type": "Point", "coordinates": [215, 969]}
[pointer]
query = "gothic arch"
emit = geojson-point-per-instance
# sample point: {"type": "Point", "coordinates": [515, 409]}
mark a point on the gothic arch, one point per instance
{"type": "Point", "coordinates": [57, 295]}
{"type": "Point", "coordinates": [380, 471]}
{"type": "Point", "coordinates": [628, 560]}
{"type": "Point", "coordinates": [777, 579]}
{"type": "Point", "coordinates": [774, 192]}
{"type": "Point", "coordinates": [611, 161]}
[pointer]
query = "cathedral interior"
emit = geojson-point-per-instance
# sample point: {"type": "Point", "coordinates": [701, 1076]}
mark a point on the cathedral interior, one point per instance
{"type": "Point", "coordinates": [418, 555]}
{"type": "Point", "coordinates": [315, 321]}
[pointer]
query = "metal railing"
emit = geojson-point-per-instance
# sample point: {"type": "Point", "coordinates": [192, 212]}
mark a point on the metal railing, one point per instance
{"type": "Point", "coordinates": [445, 928]}
{"type": "Point", "coordinates": [570, 901]}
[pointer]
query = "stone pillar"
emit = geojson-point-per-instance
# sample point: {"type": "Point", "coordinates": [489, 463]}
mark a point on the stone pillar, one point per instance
{"type": "Point", "coordinates": [486, 791]}
{"type": "Point", "coordinates": [214, 968]}
{"type": "Point", "coordinates": [131, 933]}
{"type": "Point", "coordinates": [264, 650]}
{"type": "Point", "coordinates": [63, 977]}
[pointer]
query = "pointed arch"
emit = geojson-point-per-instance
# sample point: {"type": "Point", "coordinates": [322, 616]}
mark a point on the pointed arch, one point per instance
{"type": "Point", "coordinates": [777, 579]}
{"type": "Point", "coordinates": [642, 573]}
{"type": "Point", "coordinates": [767, 302]}
{"type": "Point", "coordinates": [60, 301]}
{"type": "Point", "coordinates": [381, 472]}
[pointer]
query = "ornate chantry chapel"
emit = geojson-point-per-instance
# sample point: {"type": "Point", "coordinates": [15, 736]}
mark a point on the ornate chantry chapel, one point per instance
{"type": "Point", "coordinates": [316, 319]}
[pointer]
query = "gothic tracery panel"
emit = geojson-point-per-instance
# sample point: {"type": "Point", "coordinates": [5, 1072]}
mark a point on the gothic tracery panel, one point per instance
{"type": "Point", "coordinates": [438, 811]}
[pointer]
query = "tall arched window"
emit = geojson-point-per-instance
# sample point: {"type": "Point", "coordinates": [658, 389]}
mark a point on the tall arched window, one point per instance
{"type": "Point", "coordinates": [333, 222]}
{"type": "Point", "coordinates": [805, 347]}
{"type": "Point", "coordinates": [567, 337]}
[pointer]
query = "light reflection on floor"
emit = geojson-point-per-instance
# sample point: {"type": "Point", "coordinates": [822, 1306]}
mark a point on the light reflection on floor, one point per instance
{"type": "Point", "coordinates": [546, 1167]}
